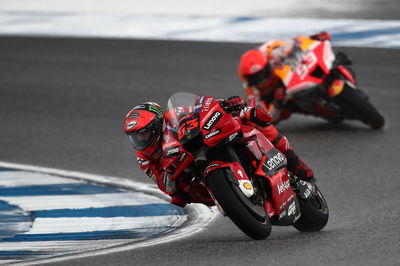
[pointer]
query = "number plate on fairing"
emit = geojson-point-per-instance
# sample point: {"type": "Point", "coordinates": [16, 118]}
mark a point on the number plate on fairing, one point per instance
{"type": "Point", "coordinates": [188, 127]}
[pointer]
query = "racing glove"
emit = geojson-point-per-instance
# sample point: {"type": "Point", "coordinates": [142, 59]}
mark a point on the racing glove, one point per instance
{"type": "Point", "coordinates": [257, 117]}
{"type": "Point", "coordinates": [322, 36]}
{"type": "Point", "coordinates": [235, 103]}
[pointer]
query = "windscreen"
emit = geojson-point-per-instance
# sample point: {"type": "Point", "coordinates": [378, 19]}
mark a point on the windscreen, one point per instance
{"type": "Point", "coordinates": [179, 105]}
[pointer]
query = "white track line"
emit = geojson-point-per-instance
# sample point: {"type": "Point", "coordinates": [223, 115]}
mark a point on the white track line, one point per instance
{"type": "Point", "coordinates": [199, 215]}
{"type": "Point", "coordinates": [55, 202]}
{"type": "Point", "coordinates": [20, 179]}
{"type": "Point", "coordinates": [87, 224]}
{"type": "Point", "coordinates": [345, 32]}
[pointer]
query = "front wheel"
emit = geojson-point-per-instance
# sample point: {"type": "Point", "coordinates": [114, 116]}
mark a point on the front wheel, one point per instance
{"type": "Point", "coordinates": [230, 198]}
{"type": "Point", "coordinates": [314, 213]}
{"type": "Point", "coordinates": [354, 104]}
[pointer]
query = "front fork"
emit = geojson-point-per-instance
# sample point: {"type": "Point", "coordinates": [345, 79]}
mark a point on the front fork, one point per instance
{"type": "Point", "coordinates": [303, 189]}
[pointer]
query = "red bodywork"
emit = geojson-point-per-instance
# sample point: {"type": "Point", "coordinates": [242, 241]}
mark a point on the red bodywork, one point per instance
{"type": "Point", "coordinates": [215, 126]}
{"type": "Point", "coordinates": [308, 65]}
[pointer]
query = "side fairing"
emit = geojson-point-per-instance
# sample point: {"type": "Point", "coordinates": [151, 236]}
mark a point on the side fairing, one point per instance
{"type": "Point", "coordinates": [215, 124]}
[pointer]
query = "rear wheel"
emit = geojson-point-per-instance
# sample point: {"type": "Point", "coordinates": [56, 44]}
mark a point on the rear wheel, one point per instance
{"type": "Point", "coordinates": [248, 216]}
{"type": "Point", "coordinates": [357, 105]}
{"type": "Point", "coordinates": [314, 213]}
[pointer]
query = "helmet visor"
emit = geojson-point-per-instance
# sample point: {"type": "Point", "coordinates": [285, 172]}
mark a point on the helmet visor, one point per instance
{"type": "Point", "coordinates": [141, 140]}
{"type": "Point", "coordinates": [260, 76]}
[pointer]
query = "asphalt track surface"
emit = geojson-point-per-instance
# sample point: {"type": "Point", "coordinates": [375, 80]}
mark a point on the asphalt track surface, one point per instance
{"type": "Point", "coordinates": [63, 101]}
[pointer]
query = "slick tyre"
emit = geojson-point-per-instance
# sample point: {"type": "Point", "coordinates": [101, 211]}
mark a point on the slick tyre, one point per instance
{"type": "Point", "coordinates": [231, 202]}
{"type": "Point", "coordinates": [314, 213]}
{"type": "Point", "coordinates": [359, 107]}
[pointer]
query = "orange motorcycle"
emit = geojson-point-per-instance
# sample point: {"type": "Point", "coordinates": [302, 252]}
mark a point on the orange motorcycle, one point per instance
{"type": "Point", "coordinates": [321, 83]}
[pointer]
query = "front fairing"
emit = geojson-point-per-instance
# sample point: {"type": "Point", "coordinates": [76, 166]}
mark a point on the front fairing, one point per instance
{"type": "Point", "coordinates": [307, 65]}
{"type": "Point", "coordinates": [180, 105]}
{"type": "Point", "coordinates": [200, 118]}
{"type": "Point", "coordinates": [217, 125]}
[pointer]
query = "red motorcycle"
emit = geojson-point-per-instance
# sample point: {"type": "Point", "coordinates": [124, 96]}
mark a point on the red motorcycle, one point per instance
{"type": "Point", "coordinates": [320, 83]}
{"type": "Point", "coordinates": [219, 161]}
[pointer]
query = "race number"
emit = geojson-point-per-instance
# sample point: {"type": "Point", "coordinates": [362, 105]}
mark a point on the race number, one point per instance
{"type": "Point", "coordinates": [307, 62]}
{"type": "Point", "coordinates": [187, 125]}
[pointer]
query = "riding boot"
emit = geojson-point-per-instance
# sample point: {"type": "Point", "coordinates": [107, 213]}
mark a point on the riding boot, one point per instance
{"type": "Point", "coordinates": [297, 166]}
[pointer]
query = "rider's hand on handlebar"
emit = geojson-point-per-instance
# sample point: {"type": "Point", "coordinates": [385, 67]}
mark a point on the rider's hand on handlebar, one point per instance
{"type": "Point", "coordinates": [322, 36]}
{"type": "Point", "coordinates": [235, 103]}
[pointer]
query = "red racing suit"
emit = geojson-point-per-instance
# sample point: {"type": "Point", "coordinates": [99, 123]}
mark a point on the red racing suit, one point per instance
{"type": "Point", "coordinates": [151, 164]}
{"type": "Point", "coordinates": [272, 92]}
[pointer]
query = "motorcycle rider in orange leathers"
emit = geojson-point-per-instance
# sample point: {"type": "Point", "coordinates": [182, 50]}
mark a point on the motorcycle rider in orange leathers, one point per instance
{"type": "Point", "coordinates": [257, 69]}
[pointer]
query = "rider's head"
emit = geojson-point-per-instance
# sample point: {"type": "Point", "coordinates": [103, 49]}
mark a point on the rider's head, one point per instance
{"type": "Point", "coordinates": [143, 125]}
{"type": "Point", "coordinates": [254, 67]}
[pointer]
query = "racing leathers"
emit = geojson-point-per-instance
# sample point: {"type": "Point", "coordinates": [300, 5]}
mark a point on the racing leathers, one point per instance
{"type": "Point", "coordinates": [272, 92]}
{"type": "Point", "coordinates": [151, 164]}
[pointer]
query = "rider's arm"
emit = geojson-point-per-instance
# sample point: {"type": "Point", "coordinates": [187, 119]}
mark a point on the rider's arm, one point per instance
{"type": "Point", "coordinates": [277, 104]}
{"type": "Point", "coordinates": [153, 169]}
{"type": "Point", "coordinates": [251, 93]}
{"type": "Point", "coordinates": [275, 112]}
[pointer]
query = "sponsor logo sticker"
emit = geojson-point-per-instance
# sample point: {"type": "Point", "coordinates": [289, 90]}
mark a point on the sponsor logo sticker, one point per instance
{"type": "Point", "coordinates": [211, 166]}
{"type": "Point", "coordinates": [213, 120]}
{"type": "Point", "coordinates": [212, 134]}
{"type": "Point", "coordinates": [283, 187]}
{"type": "Point", "coordinates": [207, 104]}
{"type": "Point", "coordinates": [292, 209]}
{"type": "Point", "coordinates": [274, 161]}
{"type": "Point", "coordinates": [131, 125]}
{"type": "Point", "coordinates": [170, 152]}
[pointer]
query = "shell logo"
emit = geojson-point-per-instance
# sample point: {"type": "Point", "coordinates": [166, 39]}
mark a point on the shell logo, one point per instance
{"type": "Point", "coordinates": [247, 186]}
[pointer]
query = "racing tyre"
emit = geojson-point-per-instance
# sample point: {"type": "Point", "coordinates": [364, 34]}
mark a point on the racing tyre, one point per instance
{"type": "Point", "coordinates": [357, 105]}
{"type": "Point", "coordinates": [314, 213]}
{"type": "Point", "coordinates": [245, 214]}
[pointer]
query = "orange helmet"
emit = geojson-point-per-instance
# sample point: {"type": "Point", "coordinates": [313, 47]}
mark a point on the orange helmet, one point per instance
{"type": "Point", "coordinates": [143, 126]}
{"type": "Point", "coordinates": [254, 67]}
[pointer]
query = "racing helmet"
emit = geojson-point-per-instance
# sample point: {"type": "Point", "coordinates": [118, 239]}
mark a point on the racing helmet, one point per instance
{"type": "Point", "coordinates": [254, 67]}
{"type": "Point", "coordinates": [143, 125]}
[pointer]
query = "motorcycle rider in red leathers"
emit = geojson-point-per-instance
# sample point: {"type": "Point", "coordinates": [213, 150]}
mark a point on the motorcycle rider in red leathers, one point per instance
{"type": "Point", "coordinates": [145, 125]}
{"type": "Point", "coordinates": [257, 70]}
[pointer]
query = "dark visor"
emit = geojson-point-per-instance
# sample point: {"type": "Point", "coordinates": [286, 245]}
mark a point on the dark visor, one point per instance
{"type": "Point", "coordinates": [141, 140]}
